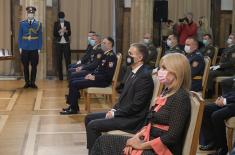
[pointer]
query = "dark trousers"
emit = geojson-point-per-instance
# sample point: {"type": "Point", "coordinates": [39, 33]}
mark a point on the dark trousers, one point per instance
{"type": "Point", "coordinates": [78, 84]}
{"type": "Point", "coordinates": [96, 123]}
{"type": "Point", "coordinates": [214, 74]}
{"type": "Point", "coordinates": [213, 126]}
{"type": "Point", "coordinates": [62, 49]}
{"type": "Point", "coordinates": [32, 58]}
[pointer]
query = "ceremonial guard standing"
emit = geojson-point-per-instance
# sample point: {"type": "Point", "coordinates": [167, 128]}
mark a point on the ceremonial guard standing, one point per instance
{"type": "Point", "coordinates": [30, 44]}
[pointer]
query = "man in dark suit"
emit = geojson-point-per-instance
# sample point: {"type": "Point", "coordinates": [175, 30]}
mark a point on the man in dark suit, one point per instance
{"type": "Point", "coordinates": [213, 131]}
{"type": "Point", "coordinates": [129, 112]}
{"type": "Point", "coordinates": [62, 32]}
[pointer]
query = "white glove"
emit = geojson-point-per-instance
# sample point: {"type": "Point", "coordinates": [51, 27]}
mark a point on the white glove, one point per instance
{"type": "Point", "coordinates": [216, 67]}
{"type": "Point", "coordinates": [39, 51]}
{"type": "Point", "coordinates": [79, 62]}
{"type": "Point", "coordinates": [155, 70]}
{"type": "Point", "coordinates": [20, 50]}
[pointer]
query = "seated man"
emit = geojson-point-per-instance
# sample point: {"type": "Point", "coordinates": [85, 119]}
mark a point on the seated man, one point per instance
{"type": "Point", "coordinates": [100, 77]}
{"type": "Point", "coordinates": [172, 43]}
{"type": "Point", "coordinates": [208, 49]}
{"type": "Point", "coordinates": [228, 85]}
{"type": "Point", "coordinates": [196, 61]}
{"type": "Point", "coordinates": [129, 112]}
{"type": "Point", "coordinates": [91, 62]}
{"type": "Point", "coordinates": [152, 51]}
{"type": "Point", "coordinates": [226, 66]}
{"type": "Point", "coordinates": [213, 131]}
{"type": "Point", "coordinates": [86, 56]}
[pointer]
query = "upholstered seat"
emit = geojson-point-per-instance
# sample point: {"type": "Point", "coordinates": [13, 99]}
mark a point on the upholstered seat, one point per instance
{"type": "Point", "coordinates": [110, 90]}
{"type": "Point", "coordinates": [230, 124]}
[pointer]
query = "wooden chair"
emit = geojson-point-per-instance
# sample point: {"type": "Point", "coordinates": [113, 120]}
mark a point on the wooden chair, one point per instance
{"type": "Point", "coordinates": [217, 82]}
{"type": "Point", "coordinates": [110, 90]}
{"type": "Point", "coordinates": [159, 55]}
{"type": "Point", "coordinates": [205, 75]}
{"type": "Point", "coordinates": [192, 135]}
{"type": "Point", "coordinates": [213, 62]}
{"type": "Point", "coordinates": [156, 92]}
{"type": "Point", "coordinates": [230, 125]}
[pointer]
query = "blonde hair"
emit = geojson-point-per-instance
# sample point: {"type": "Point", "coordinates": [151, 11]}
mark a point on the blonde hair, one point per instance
{"type": "Point", "coordinates": [179, 66]}
{"type": "Point", "coordinates": [205, 25]}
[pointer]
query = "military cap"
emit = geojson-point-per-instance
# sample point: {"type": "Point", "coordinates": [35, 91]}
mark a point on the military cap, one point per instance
{"type": "Point", "coordinates": [31, 9]}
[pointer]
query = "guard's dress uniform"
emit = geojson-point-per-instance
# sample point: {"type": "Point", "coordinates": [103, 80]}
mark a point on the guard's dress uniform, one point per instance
{"type": "Point", "coordinates": [209, 51]}
{"type": "Point", "coordinates": [30, 41]}
{"type": "Point", "coordinates": [227, 66]}
{"type": "Point", "coordinates": [197, 64]}
{"type": "Point", "coordinates": [103, 78]}
{"type": "Point", "coordinates": [174, 49]}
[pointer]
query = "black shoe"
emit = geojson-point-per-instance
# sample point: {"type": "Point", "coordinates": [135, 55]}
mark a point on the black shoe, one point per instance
{"type": "Point", "coordinates": [66, 109]}
{"type": "Point", "coordinates": [69, 112]}
{"type": "Point", "coordinates": [27, 85]}
{"type": "Point", "coordinates": [33, 85]}
{"type": "Point", "coordinates": [210, 146]}
{"type": "Point", "coordinates": [222, 151]}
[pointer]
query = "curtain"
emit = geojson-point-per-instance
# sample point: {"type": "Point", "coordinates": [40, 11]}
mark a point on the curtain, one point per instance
{"type": "Point", "coordinates": [87, 15]}
{"type": "Point", "coordinates": [177, 8]}
{"type": "Point", "coordinates": [233, 18]}
{"type": "Point", "coordinates": [5, 31]}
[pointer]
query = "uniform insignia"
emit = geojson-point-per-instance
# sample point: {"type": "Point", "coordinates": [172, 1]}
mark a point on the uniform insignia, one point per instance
{"type": "Point", "coordinates": [208, 51]}
{"type": "Point", "coordinates": [103, 61]}
{"type": "Point", "coordinates": [110, 64]}
{"type": "Point", "coordinates": [233, 55]}
{"type": "Point", "coordinates": [195, 64]}
{"type": "Point", "coordinates": [98, 56]}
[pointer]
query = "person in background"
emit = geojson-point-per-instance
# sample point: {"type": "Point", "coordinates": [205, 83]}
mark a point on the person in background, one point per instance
{"type": "Point", "coordinates": [208, 49]}
{"type": "Point", "coordinates": [196, 61]}
{"type": "Point", "coordinates": [202, 29]}
{"type": "Point", "coordinates": [62, 32]}
{"type": "Point", "coordinates": [30, 45]}
{"type": "Point", "coordinates": [226, 66]}
{"type": "Point", "coordinates": [186, 28]}
{"type": "Point", "coordinates": [166, 122]}
{"type": "Point", "coordinates": [172, 43]}
{"type": "Point", "coordinates": [152, 51]}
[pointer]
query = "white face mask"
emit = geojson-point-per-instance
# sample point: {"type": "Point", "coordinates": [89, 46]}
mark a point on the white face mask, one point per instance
{"type": "Point", "coordinates": [146, 41]}
{"type": "Point", "coordinates": [187, 49]}
{"type": "Point", "coordinates": [169, 43]}
{"type": "Point", "coordinates": [30, 16]}
{"type": "Point", "coordinates": [229, 41]}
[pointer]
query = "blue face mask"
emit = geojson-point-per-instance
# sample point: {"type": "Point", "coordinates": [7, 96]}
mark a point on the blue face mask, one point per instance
{"type": "Point", "coordinates": [92, 42]}
{"type": "Point", "coordinates": [89, 40]}
{"type": "Point", "coordinates": [61, 20]}
{"type": "Point", "coordinates": [205, 42]}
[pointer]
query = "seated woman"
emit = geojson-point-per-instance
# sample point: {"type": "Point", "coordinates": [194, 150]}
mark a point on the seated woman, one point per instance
{"type": "Point", "coordinates": [167, 120]}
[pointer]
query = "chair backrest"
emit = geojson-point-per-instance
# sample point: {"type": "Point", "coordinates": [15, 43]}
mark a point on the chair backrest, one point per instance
{"type": "Point", "coordinates": [159, 54]}
{"type": "Point", "coordinates": [213, 62]}
{"type": "Point", "coordinates": [157, 89]}
{"type": "Point", "coordinates": [117, 70]}
{"type": "Point", "coordinates": [205, 75]}
{"type": "Point", "coordinates": [193, 131]}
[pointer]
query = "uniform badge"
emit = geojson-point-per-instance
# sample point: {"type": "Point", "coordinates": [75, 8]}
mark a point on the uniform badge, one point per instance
{"type": "Point", "coordinates": [110, 64]}
{"type": "Point", "coordinates": [195, 64]}
{"type": "Point", "coordinates": [98, 56]}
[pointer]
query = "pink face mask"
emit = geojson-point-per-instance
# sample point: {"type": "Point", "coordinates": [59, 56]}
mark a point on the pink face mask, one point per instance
{"type": "Point", "coordinates": [162, 76]}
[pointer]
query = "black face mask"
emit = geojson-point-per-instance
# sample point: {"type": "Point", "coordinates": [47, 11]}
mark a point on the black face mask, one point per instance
{"type": "Point", "coordinates": [129, 60]}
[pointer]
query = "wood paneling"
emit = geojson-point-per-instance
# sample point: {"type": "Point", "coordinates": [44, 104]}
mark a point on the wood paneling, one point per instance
{"type": "Point", "coordinates": [225, 27]}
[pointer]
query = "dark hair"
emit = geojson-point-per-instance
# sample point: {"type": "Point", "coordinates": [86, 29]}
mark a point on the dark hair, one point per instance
{"type": "Point", "coordinates": [111, 40]}
{"type": "Point", "coordinates": [194, 40]}
{"type": "Point", "coordinates": [92, 32]}
{"type": "Point", "coordinates": [207, 34]}
{"type": "Point", "coordinates": [142, 49]}
{"type": "Point", "coordinates": [61, 14]}
{"type": "Point", "coordinates": [175, 36]}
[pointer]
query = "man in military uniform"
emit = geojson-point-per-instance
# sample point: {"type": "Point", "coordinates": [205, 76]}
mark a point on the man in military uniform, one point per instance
{"type": "Point", "coordinates": [226, 66]}
{"type": "Point", "coordinates": [30, 44]}
{"type": "Point", "coordinates": [86, 56]}
{"type": "Point", "coordinates": [172, 43]}
{"type": "Point", "coordinates": [91, 62]}
{"type": "Point", "coordinates": [152, 51]}
{"type": "Point", "coordinates": [196, 61]}
{"type": "Point", "coordinates": [208, 49]}
{"type": "Point", "coordinates": [100, 77]}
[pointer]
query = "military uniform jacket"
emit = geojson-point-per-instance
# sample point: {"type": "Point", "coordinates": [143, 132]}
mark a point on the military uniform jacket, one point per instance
{"type": "Point", "coordinates": [94, 58]}
{"type": "Point", "coordinates": [85, 59]}
{"type": "Point", "coordinates": [30, 36]}
{"type": "Point", "coordinates": [227, 61]}
{"type": "Point", "coordinates": [174, 49]}
{"type": "Point", "coordinates": [106, 67]}
{"type": "Point", "coordinates": [152, 54]}
{"type": "Point", "coordinates": [208, 51]}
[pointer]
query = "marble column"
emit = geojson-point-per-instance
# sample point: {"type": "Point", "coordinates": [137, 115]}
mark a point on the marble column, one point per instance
{"type": "Point", "coordinates": [39, 15]}
{"type": "Point", "coordinates": [141, 19]}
